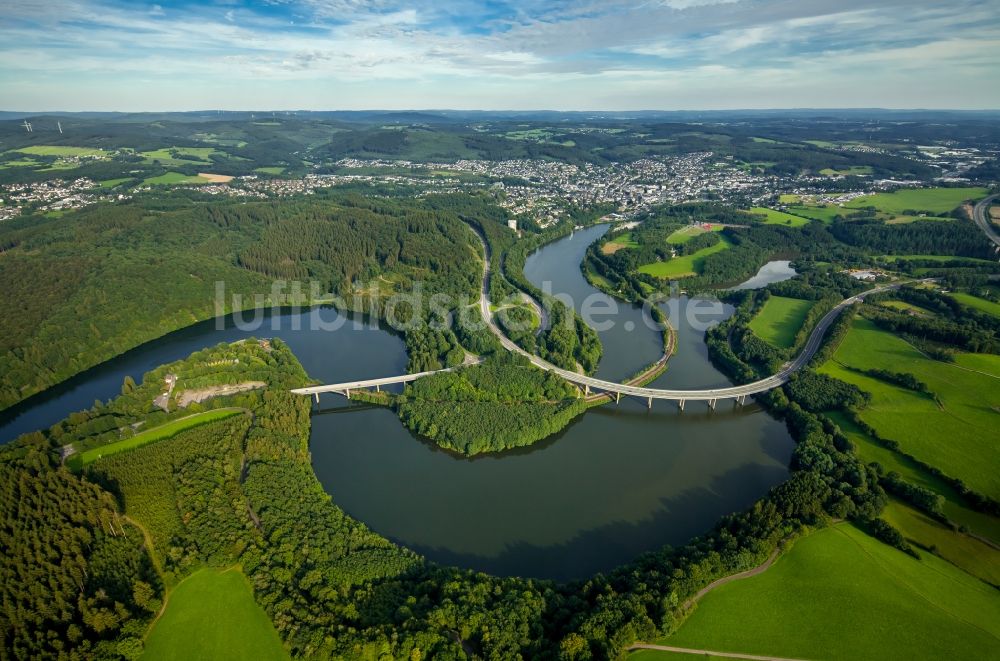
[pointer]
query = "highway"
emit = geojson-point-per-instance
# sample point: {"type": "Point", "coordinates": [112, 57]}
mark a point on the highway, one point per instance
{"type": "Point", "coordinates": [590, 383]}
{"type": "Point", "coordinates": [980, 214]}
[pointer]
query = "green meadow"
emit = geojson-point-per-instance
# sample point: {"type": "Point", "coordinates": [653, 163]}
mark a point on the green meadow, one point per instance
{"type": "Point", "coordinates": [275, 170]}
{"type": "Point", "coordinates": [981, 304]}
{"type": "Point", "coordinates": [840, 594]}
{"type": "Point", "coordinates": [954, 508]}
{"type": "Point", "coordinates": [212, 615]}
{"type": "Point", "coordinates": [174, 178]}
{"type": "Point", "coordinates": [955, 430]}
{"type": "Point", "coordinates": [185, 155]}
{"type": "Point", "coordinates": [967, 553]}
{"type": "Point", "coordinates": [775, 217]}
{"type": "Point", "coordinates": [687, 265]}
{"type": "Point", "coordinates": [160, 433]}
{"type": "Point", "coordinates": [852, 170]}
{"type": "Point", "coordinates": [52, 150]}
{"type": "Point", "coordinates": [780, 320]}
{"type": "Point", "coordinates": [825, 213]}
{"type": "Point", "coordinates": [927, 200]}
{"type": "Point", "coordinates": [688, 232]}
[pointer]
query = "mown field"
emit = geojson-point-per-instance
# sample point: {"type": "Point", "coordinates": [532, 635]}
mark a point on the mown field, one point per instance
{"type": "Point", "coordinates": [685, 234]}
{"type": "Point", "coordinates": [151, 436]}
{"type": "Point", "coordinates": [825, 213]}
{"type": "Point", "coordinates": [212, 615]}
{"type": "Point", "coordinates": [956, 430]}
{"type": "Point", "coordinates": [53, 150]}
{"type": "Point", "coordinates": [926, 200]}
{"type": "Point", "coordinates": [684, 266]}
{"type": "Point", "coordinates": [780, 320]}
{"type": "Point", "coordinates": [840, 594]}
{"type": "Point", "coordinates": [775, 217]}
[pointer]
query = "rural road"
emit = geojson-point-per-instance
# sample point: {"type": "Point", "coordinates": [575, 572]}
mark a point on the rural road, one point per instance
{"type": "Point", "coordinates": [980, 214]}
{"type": "Point", "coordinates": [728, 655]}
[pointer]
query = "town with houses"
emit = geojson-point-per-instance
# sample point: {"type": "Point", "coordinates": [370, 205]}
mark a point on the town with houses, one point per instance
{"type": "Point", "coordinates": [532, 190]}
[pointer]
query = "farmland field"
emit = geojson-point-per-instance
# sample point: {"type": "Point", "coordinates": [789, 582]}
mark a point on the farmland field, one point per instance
{"type": "Point", "coordinates": [954, 508]}
{"type": "Point", "coordinates": [620, 242]}
{"type": "Point", "coordinates": [212, 615]}
{"type": "Point", "coordinates": [967, 553]}
{"type": "Point", "coordinates": [955, 430]}
{"type": "Point", "coordinates": [174, 178]}
{"type": "Point", "coordinates": [928, 200]}
{"type": "Point", "coordinates": [185, 155]}
{"type": "Point", "coordinates": [774, 217]}
{"type": "Point", "coordinates": [51, 150]}
{"type": "Point", "coordinates": [152, 435]}
{"type": "Point", "coordinates": [825, 213]}
{"type": "Point", "coordinates": [853, 597]}
{"type": "Point", "coordinates": [852, 170]}
{"type": "Point", "coordinates": [682, 267]}
{"type": "Point", "coordinates": [981, 304]}
{"type": "Point", "coordinates": [780, 320]}
{"type": "Point", "coordinates": [685, 234]}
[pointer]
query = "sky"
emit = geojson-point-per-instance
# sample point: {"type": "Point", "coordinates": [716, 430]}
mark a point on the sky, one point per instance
{"type": "Point", "coordinates": [498, 54]}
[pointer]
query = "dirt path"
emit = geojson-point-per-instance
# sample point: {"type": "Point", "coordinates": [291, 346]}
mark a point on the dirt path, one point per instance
{"type": "Point", "coordinates": [759, 569]}
{"type": "Point", "coordinates": [728, 655]}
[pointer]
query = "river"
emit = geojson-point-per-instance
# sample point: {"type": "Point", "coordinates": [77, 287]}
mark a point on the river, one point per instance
{"type": "Point", "coordinates": [619, 481]}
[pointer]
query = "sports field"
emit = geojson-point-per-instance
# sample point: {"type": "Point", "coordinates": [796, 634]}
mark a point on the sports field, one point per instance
{"type": "Point", "coordinates": [840, 594]}
{"type": "Point", "coordinates": [954, 430]}
{"type": "Point", "coordinates": [682, 267]}
{"type": "Point", "coordinates": [212, 615]}
{"type": "Point", "coordinates": [780, 319]}
{"type": "Point", "coordinates": [151, 435]}
{"type": "Point", "coordinates": [926, 200]}
{"type": "Point", "coordinates": [775, 217]}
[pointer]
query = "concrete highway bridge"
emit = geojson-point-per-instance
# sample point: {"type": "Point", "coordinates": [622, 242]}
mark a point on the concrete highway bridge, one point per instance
{"type": "Point", "coordinates": [613, 389]}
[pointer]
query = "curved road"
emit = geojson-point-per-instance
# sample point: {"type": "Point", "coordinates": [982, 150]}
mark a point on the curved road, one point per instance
{"type": "Point", "coordinates": [980, 216]}
{"type": "Point", "coordinates": [589, 382]}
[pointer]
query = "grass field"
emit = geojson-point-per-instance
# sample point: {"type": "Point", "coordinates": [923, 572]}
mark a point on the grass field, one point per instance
{"type": "Point", "coordinates": [840, 594]}
{"type": "Point", "coordinates": [774, 217]}
{"type": "Point", "coordinates": [620, 242]}
{"type": "Point", "coordinates": [111, 183]}
{"type": "Point", "coordinates": [910, 307]}
{"type": "Point", "coordinates": [957, 432]}
{"type": "Point", "coordinates": [981, 304]}
{"type": "Point", "coordinates": [682, 267]}
{"type": "Point", "coordinates": [174, 178]}
{"type": "Point", "coordinates": [927, 200]}
{"type": "Point", "coordinates": [852, 170]}
{"type": "Point", "coordinates": [212, 615]}
{"type": "Point", "coordinates": [824, 213]}
{"type": "Point", "coordinates": [685, 234]}
{"type": "Point", "coordinates": [275, 170]}
{"type": "Point", "coordinates": [954, 508]}
{"type": "Point", "coordinates": [967, 553]}
{"type": "Point", "coordinates": [51, 150]}
{"type": "Point", "coordinates": [160, 433]}
{"type": "Point", "coordinates": [780, 319]}
{"type": "Point", "coordinates": [186, 155]}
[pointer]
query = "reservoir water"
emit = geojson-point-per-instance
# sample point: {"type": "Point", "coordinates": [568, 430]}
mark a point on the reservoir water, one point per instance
{"type": "Point", "coordinates": [619, 481]}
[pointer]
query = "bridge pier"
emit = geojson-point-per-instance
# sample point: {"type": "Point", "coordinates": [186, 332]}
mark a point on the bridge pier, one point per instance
{"type": "Point", "coordinates": [680, 404]}
{"type": "Point", "coordinates": [347, 393]}
{"type": "Point", "coordinates": [740, 400]}
{"type": "Point", "coordinates": [711, 403]}
{"type": "Point", "coordinates": [649, 403]}
{"type": "Point", "coordinates": [586, 390]}
{"type": "Point", "coordinates": [378, 388]}
{"type": "Point", "coordinates": [317, 398]}
{"type": "Point", "coordinates": [618, 397]}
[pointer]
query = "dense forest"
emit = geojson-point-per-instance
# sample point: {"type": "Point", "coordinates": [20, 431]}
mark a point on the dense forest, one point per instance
{"type": "Point", "coordinates": [154, 267]}
{"type": "Point", "coordinates": [503, 403]}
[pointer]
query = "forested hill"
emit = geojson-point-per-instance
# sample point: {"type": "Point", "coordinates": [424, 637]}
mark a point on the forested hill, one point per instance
{"type": "Point", "coordinates": [85, 287]}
